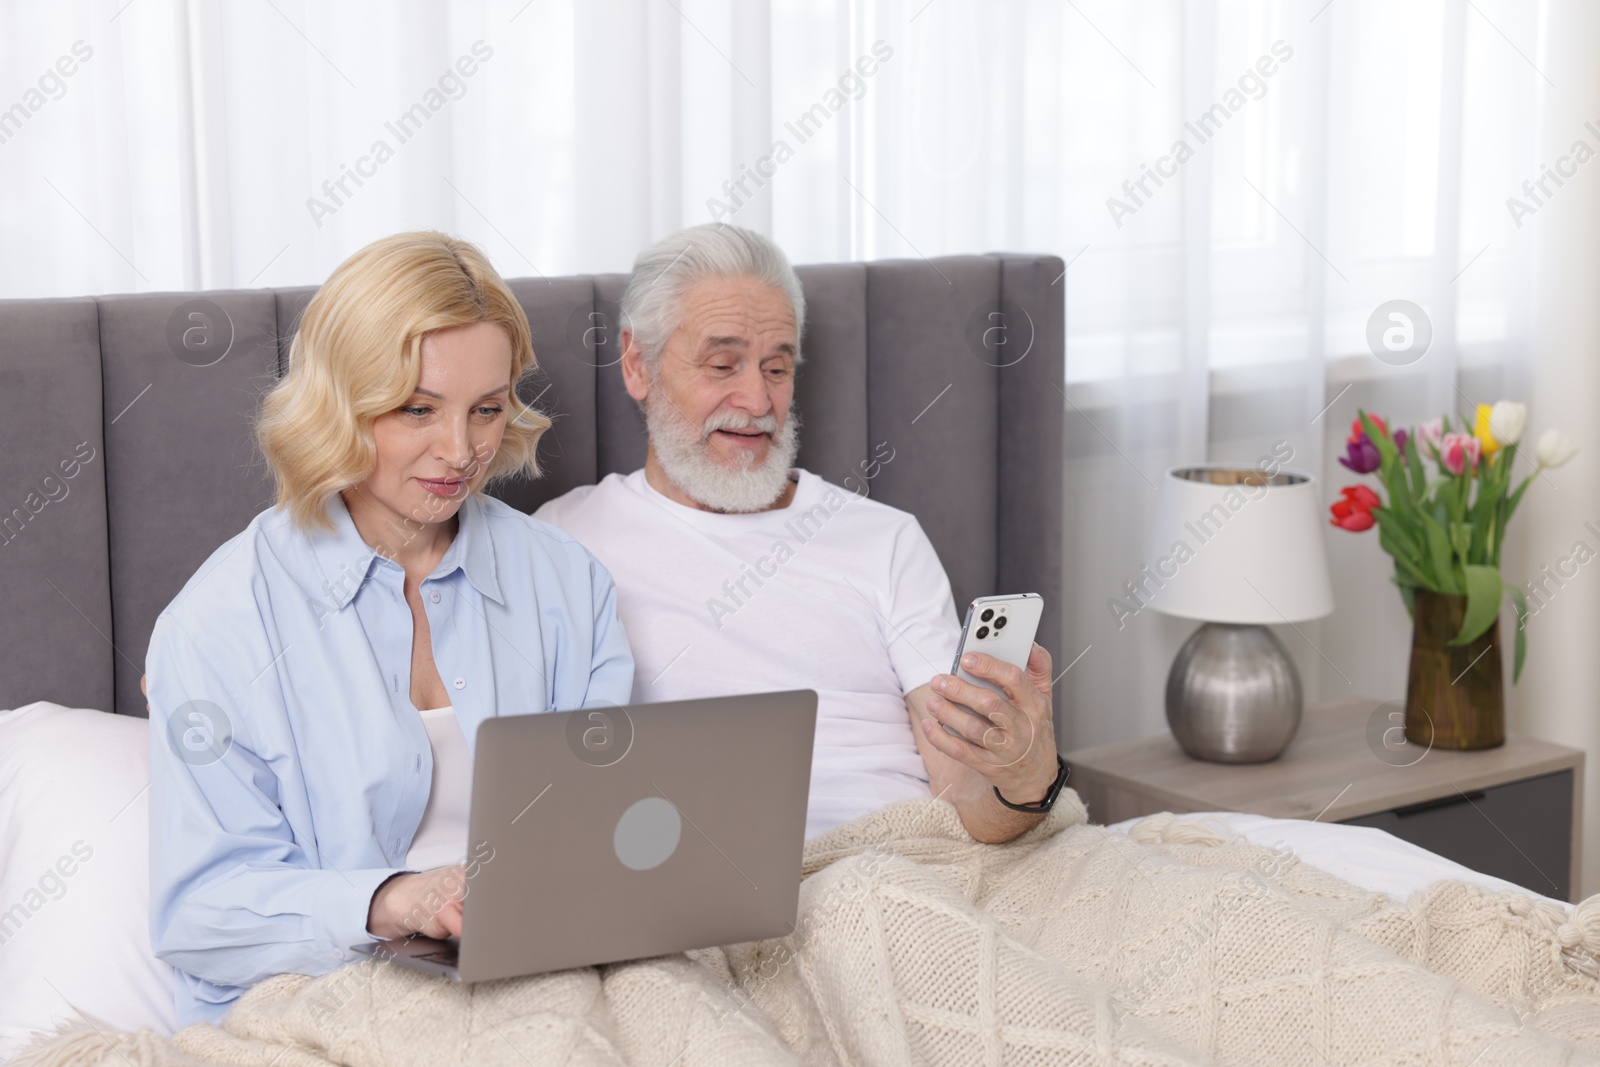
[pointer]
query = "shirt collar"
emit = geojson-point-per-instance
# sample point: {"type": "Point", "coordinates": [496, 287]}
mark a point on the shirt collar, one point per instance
{"type": "Point", "coordinates": [344, 558]}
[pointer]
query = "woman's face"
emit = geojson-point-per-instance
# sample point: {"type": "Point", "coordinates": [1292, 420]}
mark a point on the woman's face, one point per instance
{"type": "Point", "coordinates": [435, 448]}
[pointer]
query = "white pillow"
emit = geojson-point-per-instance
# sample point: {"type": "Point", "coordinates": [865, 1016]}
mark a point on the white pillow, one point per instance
{"type": "Point", "coordinates": [75, 875]}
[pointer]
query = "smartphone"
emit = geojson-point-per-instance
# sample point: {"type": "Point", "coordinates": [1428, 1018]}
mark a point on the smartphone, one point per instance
{"type": "Point", "coordinates": [1002, 626]}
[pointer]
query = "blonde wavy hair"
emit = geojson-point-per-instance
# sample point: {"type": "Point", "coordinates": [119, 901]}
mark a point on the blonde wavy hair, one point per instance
{"type": "Point", "coordinates": [358, 355]}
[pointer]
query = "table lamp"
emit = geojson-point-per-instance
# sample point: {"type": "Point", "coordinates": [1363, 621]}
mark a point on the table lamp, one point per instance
{"type": "Point", "coordinates": [1238, 548]}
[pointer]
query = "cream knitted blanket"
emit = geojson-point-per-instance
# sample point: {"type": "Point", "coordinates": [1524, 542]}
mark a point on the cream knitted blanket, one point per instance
{"type": "Point", "coordinates": [917, 945]}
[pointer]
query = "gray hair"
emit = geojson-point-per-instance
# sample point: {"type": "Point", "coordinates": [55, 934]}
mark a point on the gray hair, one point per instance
{"type": "Point", "coordinates": [652, 306]}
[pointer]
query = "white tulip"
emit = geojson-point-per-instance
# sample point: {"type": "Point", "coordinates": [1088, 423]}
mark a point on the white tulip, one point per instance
{"type": "Point", "coordinates": [1555, 448]}
{"type": "Point", "coordinates": [1507, 420]}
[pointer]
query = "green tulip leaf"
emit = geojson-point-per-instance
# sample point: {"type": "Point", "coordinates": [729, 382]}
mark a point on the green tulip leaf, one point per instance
{"type": "Point", "coordinates": [1444, 571]}
{"type": "Point", "coordinates": [1404, 561]}
{"type": "Point", "coordinates": [1515, 499]}
{"type": "Point", "coordinates": [1484, 592]}
{"type": "Point", "coordinates": [1520, 601]}
{"type": "Point", "coordinates": [1380, 440]}
{"type": "Point", "coordinates": [1413, 465]}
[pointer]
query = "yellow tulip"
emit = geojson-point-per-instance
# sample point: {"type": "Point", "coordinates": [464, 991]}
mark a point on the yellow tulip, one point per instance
{"type": "Point", "coordinates": [1481, 431]}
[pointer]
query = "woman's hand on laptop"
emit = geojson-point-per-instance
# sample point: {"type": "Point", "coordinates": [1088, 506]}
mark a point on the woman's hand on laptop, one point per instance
{"type": "Point", "coordinates": [426, 903]}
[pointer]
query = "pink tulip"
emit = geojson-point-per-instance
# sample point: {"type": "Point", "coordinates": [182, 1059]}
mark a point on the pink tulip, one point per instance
{"type": "Point", "coordinates": [1459, 452]}
{"type": "Point", "coordinates": [1431, 433]}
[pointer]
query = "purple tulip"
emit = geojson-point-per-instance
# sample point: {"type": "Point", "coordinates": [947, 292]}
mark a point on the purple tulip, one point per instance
{"type": "Point", "coordinates": [1362, 455]}
{"type": "Point", "coordinates": [1400, 442]}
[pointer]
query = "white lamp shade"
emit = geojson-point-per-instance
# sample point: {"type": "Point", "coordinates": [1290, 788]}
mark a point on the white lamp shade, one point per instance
{"type": "Point", "coordinates": [1237, 544]}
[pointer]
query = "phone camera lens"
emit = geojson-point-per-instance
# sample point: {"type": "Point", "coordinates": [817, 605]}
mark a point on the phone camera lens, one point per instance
{"type": "Point", "coordinates": [1000, 623]}
{"type": "Point", "coordinates": [983, 631]}
{"type": "Point", "coordinates": [988, 613]}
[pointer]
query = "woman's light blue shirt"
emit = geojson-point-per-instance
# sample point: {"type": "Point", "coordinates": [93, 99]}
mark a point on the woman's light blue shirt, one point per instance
{"type": "Point", "coordinates": [288, 767]}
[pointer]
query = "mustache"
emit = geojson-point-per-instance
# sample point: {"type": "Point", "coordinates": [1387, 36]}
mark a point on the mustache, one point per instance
{"type": "Point", "coordinates": [767, 424]}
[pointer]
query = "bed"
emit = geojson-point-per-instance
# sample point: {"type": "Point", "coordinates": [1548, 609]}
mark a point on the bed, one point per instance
{"type": "Point", "coordinates": [128, 460]}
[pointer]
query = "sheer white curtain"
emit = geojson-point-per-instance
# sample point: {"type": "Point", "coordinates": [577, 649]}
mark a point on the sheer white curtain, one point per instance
{"type": "Point", "coordinates": [1336, 154]}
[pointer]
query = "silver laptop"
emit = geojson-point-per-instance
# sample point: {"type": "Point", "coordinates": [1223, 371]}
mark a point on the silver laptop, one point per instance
{"type": "Point", "coordinates": [610, 834]}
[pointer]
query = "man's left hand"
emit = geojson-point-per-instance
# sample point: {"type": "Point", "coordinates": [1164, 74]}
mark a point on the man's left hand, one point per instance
{"type": "Point", "coordinates": [1017, 754]}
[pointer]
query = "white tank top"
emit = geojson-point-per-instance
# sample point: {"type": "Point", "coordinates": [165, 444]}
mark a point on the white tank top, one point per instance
{"type": "Point", "coordinates": [442, 837]}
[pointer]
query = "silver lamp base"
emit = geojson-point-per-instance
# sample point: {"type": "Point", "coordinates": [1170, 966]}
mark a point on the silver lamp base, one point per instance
{"type": "Point", "coordinates": [1233, 695]}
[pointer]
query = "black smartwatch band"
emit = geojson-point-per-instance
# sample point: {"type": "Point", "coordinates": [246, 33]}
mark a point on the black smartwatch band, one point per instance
{"type": "Point", "coordinates": [1062, 774]}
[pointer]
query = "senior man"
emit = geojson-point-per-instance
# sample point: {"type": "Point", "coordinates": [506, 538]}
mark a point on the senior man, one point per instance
{"type": "Point", "coordinates": [738, 573]}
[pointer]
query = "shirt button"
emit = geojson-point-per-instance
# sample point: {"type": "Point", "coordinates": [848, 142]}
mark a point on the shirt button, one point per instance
{"type": "Point", "coordinates": [338, 953]}
{"type": "Point", "coordinates": [434, 596]}
{"type": "Point", "coordinates": [461, 683]}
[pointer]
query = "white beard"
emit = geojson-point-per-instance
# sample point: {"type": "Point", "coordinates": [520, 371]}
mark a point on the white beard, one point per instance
{"type": "Point", "coordinates": [687, 458]}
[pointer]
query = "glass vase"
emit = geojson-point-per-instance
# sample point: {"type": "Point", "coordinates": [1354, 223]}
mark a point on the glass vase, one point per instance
{"type": "Point", "coordinates": [1455, 695]}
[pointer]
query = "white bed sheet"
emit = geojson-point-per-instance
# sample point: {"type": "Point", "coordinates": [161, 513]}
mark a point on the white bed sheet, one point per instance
{"type": "Point", "coordinates": [1361, 855]}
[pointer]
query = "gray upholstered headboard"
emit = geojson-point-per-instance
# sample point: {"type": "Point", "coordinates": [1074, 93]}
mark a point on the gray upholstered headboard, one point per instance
{"type": "Point", "coordinates": [128, 457]}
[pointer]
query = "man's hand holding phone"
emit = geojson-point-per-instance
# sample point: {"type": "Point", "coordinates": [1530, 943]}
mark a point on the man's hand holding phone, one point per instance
{"type": "Point", "coordinates": [1015, 750]}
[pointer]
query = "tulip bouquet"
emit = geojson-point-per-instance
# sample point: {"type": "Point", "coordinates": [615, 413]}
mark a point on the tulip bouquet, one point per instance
{"type": "Point", "coordinates": [1445, 537]}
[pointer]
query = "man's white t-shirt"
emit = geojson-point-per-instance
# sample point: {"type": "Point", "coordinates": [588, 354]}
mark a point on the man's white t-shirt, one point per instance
{"type": "Point", "coordinates": [836, 593]}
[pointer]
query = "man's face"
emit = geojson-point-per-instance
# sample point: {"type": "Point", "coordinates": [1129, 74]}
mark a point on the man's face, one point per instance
{"type": "Point", "coordinates": [732, 361]}
{"type": "Point", "coordinates": [718, 400]}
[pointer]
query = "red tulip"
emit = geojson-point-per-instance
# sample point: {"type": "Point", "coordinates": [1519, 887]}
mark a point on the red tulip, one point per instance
{"type": "Point", "coordinates": [1356, 429]}
{"type": "Point", "coordinates": [1354, 512]}
{"type": "Point", "coordinates": [1362, 497]}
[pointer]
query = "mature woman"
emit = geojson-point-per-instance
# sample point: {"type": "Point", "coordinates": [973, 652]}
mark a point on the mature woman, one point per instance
{"type": "Point", "coordinates": [316, 688]}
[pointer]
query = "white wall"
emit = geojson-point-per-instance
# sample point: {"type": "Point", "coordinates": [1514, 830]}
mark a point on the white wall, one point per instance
{"type": "Point", "coordinates": [1560, 693]}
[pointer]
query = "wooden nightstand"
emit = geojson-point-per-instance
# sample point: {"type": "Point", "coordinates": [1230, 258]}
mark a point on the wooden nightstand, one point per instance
{"type": "Point", "coordinates": [1513, 811]}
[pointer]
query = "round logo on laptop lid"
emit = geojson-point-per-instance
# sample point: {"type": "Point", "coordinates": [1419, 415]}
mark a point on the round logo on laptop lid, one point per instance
{"type": "Point", "coordinates": [647, 834]}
